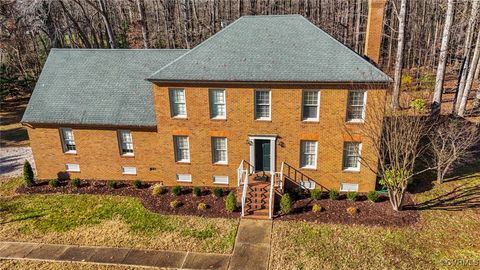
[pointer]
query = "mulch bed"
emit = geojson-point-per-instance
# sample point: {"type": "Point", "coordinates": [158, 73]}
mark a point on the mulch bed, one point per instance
{"type": "Point", "coordinates": [370, 214]}
{"type": "Point", "coordinates": [155, 203]}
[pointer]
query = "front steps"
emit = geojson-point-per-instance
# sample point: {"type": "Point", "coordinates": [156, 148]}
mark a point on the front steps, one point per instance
{"type": "Point", "coordinates": [257, 200]}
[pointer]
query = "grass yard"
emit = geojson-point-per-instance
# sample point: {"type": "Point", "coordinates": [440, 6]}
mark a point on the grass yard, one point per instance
{"type": "Point", "coordinates": [27, 265]}
{"type": "Point", "coordinates": [107, 221]}
{"type": "Point", "coordinates": [449, 229]}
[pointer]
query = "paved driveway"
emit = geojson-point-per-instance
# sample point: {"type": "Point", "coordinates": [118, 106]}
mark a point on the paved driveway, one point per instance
{"type": "Point", "coordinates": [12, 159]}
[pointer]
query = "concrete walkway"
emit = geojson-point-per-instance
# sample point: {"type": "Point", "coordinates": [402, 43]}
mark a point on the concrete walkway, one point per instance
{"type": "Point", "coordinates": [251, 251]}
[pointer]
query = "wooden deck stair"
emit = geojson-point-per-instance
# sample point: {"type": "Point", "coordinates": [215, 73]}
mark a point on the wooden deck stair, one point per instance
{"type": "Point", "coordinates": [257, 199]}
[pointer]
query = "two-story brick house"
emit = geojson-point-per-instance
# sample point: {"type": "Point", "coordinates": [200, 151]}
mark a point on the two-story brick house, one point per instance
{"type": "Point", "coordinates": [270, 91]}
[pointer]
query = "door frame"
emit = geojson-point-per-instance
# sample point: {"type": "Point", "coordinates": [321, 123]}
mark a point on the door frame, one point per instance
{"type": "Point", "coordinates": [272, 140]}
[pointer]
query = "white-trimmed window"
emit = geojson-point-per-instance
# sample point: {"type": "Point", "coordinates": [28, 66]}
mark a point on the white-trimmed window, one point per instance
{"type": "Point", "coordinates": [182, 149]}
{"type": "Point", "coordinates": [184, 178]}
{"type": "Point", "coordinates": [71, 167]}
{"type": "Point", "coordinates": [68, 141]}
{"type": "Point", "coordinates": [351, 156]}
{"type": "Point", "coordinates": [126, 142]}
{"type": "Point", "coordinates": [218, 107]}
{"type": "Point", "coordinates": [310, 105]}
{"type": "Point", "coordinates": [223, 180]}
{"type": "Point", "coordinates": [129, 170]}
{"type": "Point", "coordinates": [178, 103]}
{"type": "Point", "coordinates": [262, 104]}
{"type": "Point", "coordinates": [308, 154]}
{"type": "Point", "coordinates": [307, 184]}
{"type": "Point", "coordinates": [219, 150]}
{"type": "Point", "coordinates": [346, 187]}
{"type": "Point", "coordinates": [356, 105]}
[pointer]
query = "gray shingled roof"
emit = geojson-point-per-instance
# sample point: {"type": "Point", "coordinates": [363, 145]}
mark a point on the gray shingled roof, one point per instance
{"type": "Point", "coordinates": [284, 48]}
{"type": "Point", "coordinates": [97, 87]}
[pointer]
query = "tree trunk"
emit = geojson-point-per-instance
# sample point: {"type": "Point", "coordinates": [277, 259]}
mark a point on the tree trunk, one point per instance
{"type": "Point", "coordinates": [442, 60]}
{"type": "Point", "coordinates": [358, 9]}
{"type": "Point", "coordinates": [143, 23]}
{"type": "Point", "coordinates": [439, 175]}
{"type": "Point", "coordinates": [399, 57]}
{"type": "Point", "coordinates": [471, 74]}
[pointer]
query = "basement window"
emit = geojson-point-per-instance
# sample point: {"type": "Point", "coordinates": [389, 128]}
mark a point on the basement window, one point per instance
{"type": "Point", "coordinates": [220, 180]}
{"type": "Point", "coordinates": [346, 187]}
{"type": "Point", "coordinates": [70, 167]}
{"type": "Point", "coordinates": [129, 170]}
{"type": "Point", "coordinates": [184, 178]}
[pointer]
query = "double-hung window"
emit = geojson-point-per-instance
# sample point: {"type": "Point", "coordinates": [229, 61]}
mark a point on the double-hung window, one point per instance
{"type": "Point", "coordinates": [126, 142]}
{"type": "Point", "coordinates": [218, 108]}
{"type": "Point", "coordinates": [262, 104]}
{"type": "Point", "coordinates": [356, 105]}
{"type": "Point", "coordinates": [308, 151]}
{"type": "Point", "coordinates": [351, 156]}
{"type": "Point", "coordinates": [182, 149]}
{"type": "Point", "coordinates": [178, 103]}
{"type": "Point", "coordinates": [68, 141]}
{"type": "Point", "coordinates": [310, 105]}
{"type": "Point", "coordinates": [219, 150]}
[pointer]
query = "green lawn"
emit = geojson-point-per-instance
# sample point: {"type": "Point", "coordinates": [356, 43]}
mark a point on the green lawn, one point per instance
{"type": "Point", "coordinates": [107, 221]}
{"type": "Point", "coordinates": [37, 265]}
{"type": "Point", "coordinates": [449, 230]}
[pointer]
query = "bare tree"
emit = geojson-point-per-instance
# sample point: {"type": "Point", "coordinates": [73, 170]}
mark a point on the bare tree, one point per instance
{"type": "Point", "coordinates": [451, 141]}
{"type": "Point", "coordinates": [470, 76]}
{"type": "Point", "coordinates": [143, 23]}
{"type": "Point", "coordinates": [399, 57]}
{"type": "Point", "coordinates": [442, 61]}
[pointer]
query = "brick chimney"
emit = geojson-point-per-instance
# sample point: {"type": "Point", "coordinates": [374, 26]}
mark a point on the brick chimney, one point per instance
{"type": "Point", "coordinates": [373, 39]}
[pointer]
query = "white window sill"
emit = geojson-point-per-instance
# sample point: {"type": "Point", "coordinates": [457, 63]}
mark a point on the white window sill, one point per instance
{"type": "Point", "coordinates": [312, 120]}
{"type": "Point", "coordinates": [219, 118]}
{"type": "Point", "coordinates": [263, 119]}
{"type": "Point", "coordinates": [183, 181]}
{"type": "Point", "coordinates": [183, 161]}
{"type": "Point", "coordinates": [351, 169]}
{"type": "Point", "coordinates": [218, 183]}
{"type": "Point", "coordinates": [179, 117]}
{"type": "Point", "coordinates": [221, 163]}
{"type": "Point", "coordinates": [308, 168]}
{"type": "Point", "coordinates": [356, 121]}
{"type": "Point", "coordinates": [128, 155]}
{"type": "Point", "coordinates": [70, 152]}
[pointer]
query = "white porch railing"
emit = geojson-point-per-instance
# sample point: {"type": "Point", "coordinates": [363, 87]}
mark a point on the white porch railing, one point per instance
{"type": "Point", "coordinates": [244, 170]}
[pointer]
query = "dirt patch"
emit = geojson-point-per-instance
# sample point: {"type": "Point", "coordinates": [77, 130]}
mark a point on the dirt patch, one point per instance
{"type": "Point", "coordinates": [369, 213]}
{"type": "Point", "coordinates": [155, 203]}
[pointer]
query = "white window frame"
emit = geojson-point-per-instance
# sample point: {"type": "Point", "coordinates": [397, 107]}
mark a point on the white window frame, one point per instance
{"type": "Point", "coordinates": [129, 170]}
{"type": "Point", "coordinates": [212, 103]}
{"type": "Point", "coordinates": [304, 166]}
{"type": "Point", "coordinates": [64, 143]}
{"type": "Point", "coordinates": [68, 167]}
{"type": "Point", "coordinates": [352, 169]}
{"type": "Point", "coordinates": [176, 149]}
{"type": "Point", "coordinates": [223, 162]}
{"type": "Point", "coordinates": [184, 177]}
{"type": "Point", "coordinates": [343, 189]}
{"type": "Point", "coordinates": [121, 143]}
{"type": "Point", "coordinates": [305, 119]}
{"type": "Point", "coordinates": [269, 118]}
{"type": "Point", "coordinates": [220, 179]}
{"type": "Point", "coordinates": [357, 120]}
{"type": "Point", "coordinates": [172, 104]}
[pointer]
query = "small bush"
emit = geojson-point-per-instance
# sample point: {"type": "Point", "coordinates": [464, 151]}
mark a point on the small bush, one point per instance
{"type": "Point", "coordinates": [315, 194]}
{"type": "Point", "coordinates": [54, 183]}
{"type": "Point", "coordinates": [197, 191]}
{"type": "Point", "coordinates": [75, 182]}
{"type": "Point", "coordinates": [352, 211]}
{"type": "Point", "coordinates": [418, 104]}
{"type": "Point", "coordinates": [28, 174]}
{"type": "Point", "coordinates": [177, 190]}
{"type": "Point", "coordinates": [175, 204]}
{"type": "Point", "coordinates": [373, 196]}
{"type": "Point", "coordinates": [333, 194]}
{"type": "Point", "coordinates": [137, 184]}
{"type": "Point", "coordinates": [112, 184]}
{"type": "Point", "coordinates": [286, 204]}
{"type": "Point", "coordinates": [202, 206]}
{"type": "Point", "coordinates": [352, 196]}
{"type": "Point", "coordinates": [230, 202]}
{"type": "Point", "coordinates": [218, 192]}
{"type": "Point", "coordinates": [317, 208]}
{"type": "Point", "coordinates": [406, 80]}
{"type": "Point", "coordinates": [158, 189]}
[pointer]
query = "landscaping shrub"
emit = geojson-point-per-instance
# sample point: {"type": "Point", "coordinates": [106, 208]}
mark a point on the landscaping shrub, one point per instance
{"type": "Point", "coordinates": [352, 195]}
{"type": "Point", "coordinates": [373, 196]}
{"type": "Point", "coordinates": [54, 183]}
{"type": "Point", "coordinates": [158, 189]}
{"type": "Point", "coordinates": [112, 184]}
{"type": "Point", "coordinates": [197, 191]}
{"type": "Point", "coordinates": [202, 206]}
{"type": "Point", "coordinates": [286, 204]}
{"type": "Point", "coordinates": [315, 194]}
{"type": "Point", "coordinates": [418, 104]}
{"type": "Point", "coordinates": [317, 208]}
{"type": "Point", "coordinates": [137, 184]}
{"type": "Point", "coordinates": [177, 190]}
{"type": "Point", "coordinates": [75, 182]}
{"type": "Point", "coordinates": [230, 202]}
{"type": "Point", "coordinates": [28, 174]}
{"type": "Point", "coordinates": [218, 192]}
{"type": "Point", "coordinates": [175, 204]}
{"type": "Point", "coordinates": [352, 211]}
{"type": "Point", "coordinates": [333, 194]}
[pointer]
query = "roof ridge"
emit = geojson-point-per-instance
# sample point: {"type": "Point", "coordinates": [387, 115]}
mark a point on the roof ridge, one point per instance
{"type": "Point", "coordinates": [115, 49]}
{"type": "Point", "coordinates": [276, 15]}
